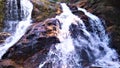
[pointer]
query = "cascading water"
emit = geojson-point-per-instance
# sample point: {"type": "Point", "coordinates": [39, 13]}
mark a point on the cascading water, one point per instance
{"type": "Point", "coordinates": [103, 55]}
{"type": "Point", "coordinates": [87, 49]}
{"type": "Point", "coordinates": [13, 9]}
{"type": "Point", "coordinates": [16, 27]}
{"type": "Point", "coordinates": [15, 12]}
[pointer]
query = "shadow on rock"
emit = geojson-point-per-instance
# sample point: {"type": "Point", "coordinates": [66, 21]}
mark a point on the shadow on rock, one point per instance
{"type": "Point", "coordinates": [37, 41]}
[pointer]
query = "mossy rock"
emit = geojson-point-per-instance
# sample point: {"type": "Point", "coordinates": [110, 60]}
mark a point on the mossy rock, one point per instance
{"type": "Point", "coordinates": [43, 9]}
{"type": "Point", "coordinates": [1, 13]}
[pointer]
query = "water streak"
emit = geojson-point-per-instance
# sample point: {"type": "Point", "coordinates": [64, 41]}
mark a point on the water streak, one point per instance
{"type": "Point", "coordinates": [87, 49]}
{"type": "Point", "coordinates": [105, 57]}
{"type": "Point", "coordinates": [20, 27]}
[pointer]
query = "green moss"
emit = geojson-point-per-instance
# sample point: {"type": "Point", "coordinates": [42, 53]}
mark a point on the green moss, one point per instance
{"type": "Point", "coordinates": [1, 13]}
{"type": "Point", "coordinates": [43, 10]}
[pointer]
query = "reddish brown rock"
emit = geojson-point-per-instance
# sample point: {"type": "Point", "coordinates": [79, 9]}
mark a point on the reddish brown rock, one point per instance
{"type": "Point", "coordinates": [36, 59]}
{"type": "Point", "coordinates": [3, 36]}
{"type": "Point", "coordinates": [7, 63]}
{"type": "Point", "coordinates": [82, 3]}
{"type": "Point", "coordinates": [38, 38]}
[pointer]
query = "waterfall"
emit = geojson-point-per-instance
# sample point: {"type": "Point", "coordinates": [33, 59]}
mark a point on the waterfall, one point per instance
{"type": "Point", "coordinates": [12, 10]}
{"type": "Point", "coordinates": [79, 47]}
{"type": "Point", "coordinates": [15, 12]}
{"type": "Point", "coordinates": [17, 28]}
{"type": "Point", "coordinates": [105, 57]}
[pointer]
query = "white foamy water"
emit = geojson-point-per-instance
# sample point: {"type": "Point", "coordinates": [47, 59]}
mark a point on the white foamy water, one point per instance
{"type": "Point", "coordinates": [91, 48]}
{"type": "Point", "coordinates": [65, 50]}
{"type": "Point", "coordinates": [109, 57]}
{"type": "Point", "coordinates": [20, 28]}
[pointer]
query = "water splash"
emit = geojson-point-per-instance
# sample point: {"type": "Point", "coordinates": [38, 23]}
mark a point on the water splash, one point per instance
{"type": "Point", "coordinates": [20, 27]}
{"type": "Point", "coordinates": [105, 57]}
{"type": "Point", "coordinates": [64, 55]}
{"type": "Point", "coordinates": [87, 49]}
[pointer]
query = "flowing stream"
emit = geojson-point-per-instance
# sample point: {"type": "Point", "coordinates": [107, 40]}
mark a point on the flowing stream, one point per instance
{"type": "Point", "coordinates": [16, 27]}
{"type": "Point", "coordinates": [83, 49]}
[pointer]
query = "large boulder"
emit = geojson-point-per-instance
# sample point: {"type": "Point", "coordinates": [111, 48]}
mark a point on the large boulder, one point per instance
{"type": "Point", "coordinates": [38, 39]}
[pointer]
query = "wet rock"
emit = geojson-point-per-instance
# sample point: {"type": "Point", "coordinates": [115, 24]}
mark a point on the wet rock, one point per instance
{"type": "Point", "coordinates": [3, 36]}
{"type": "Point", "coordinates": [38, 38]}
{"type": "Point", "coordinates": [109, 10]}
{"type": "Point", "coordinates": [7, 63]}
{"type": "Point", "coordinates": [59, 9]}
{"type": "Point", "coordinates": [82, 3]}
{"type": "Point", "coordinates": [95, 67]}
{"type": "Point", "coordinates": [81, 15]}
{"type": "Point", "coordinates": [35, 60]}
